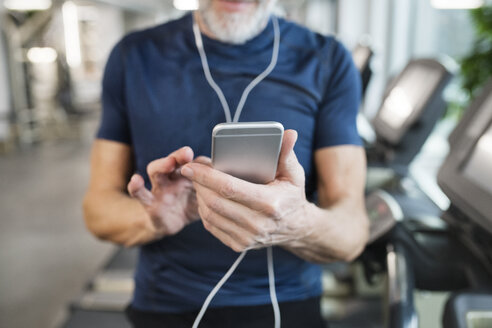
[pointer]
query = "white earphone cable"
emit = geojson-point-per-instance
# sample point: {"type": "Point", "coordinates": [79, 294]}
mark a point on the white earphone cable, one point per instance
{"type": "Point", "coordinates": [216, 289]}
{"type": "Point", "coordinates": [206, 70]}
{"type": "Point", "coordinates": [264, 74]}
{"type": "Point", "coordinates": [271, 282]}
{"type": "Point", "coordinates": [227, 112]}
{"type": "Point", "coordinates": [254, 83]}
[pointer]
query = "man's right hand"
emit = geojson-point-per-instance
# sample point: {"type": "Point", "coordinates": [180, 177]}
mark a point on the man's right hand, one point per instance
{"type": "Point", "coordinates": [171, 204]}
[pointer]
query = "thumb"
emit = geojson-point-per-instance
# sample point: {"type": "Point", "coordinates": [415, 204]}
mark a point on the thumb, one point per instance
{"type": "Point", "coordinates": [288, 165]}
{"type": "Point", "coordinates": [136, 189]}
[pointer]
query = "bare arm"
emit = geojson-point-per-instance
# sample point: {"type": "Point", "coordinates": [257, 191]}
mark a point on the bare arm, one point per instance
{"type": "Point", "coordinates": [109, 212]}
{"type": "Point", "coordinates": [340, 221]}
{"type": "Point", "coordinates": [143, 215]}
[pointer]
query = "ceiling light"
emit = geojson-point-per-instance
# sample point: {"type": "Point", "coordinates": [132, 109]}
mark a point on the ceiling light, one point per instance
{"type": "Point", "coordinates": [42, 55]}
{"type": "Point", "coordinates": [72, 34]}
{"type": "Point", "coordinates": [27, 5]}
{"type": "Point", "coordinates": [457, 4]}
{"type": "Point", "coordinates": [186, 4]}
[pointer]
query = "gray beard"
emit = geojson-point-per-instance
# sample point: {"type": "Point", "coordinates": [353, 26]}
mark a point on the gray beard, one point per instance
{"type": "Point", "coordinates": [235, 28]}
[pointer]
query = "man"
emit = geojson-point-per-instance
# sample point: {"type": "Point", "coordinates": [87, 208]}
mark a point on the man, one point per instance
{"type": "Point", "coordinates": [191, 220]}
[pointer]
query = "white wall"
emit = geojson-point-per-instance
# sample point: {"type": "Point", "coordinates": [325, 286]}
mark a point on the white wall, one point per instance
{"type": "Point", "coordinates": [353, 20]}
{"type": "Point", "coordinates": [368, 21]}
{"type": "Point", "coordinates": [442, 31]}
{"type": "Point", "coordinates": [399, 30]}
{"type": "Point", "coordinates": [320, 16]}
{"type": "Point", "coordinates": [378, 32]}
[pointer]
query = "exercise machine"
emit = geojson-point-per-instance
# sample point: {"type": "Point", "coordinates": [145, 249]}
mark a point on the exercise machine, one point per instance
{"type": "Point", "coordinates": [410, 109]}
{"type": "Point", "coordinates": [102, 303]}
{"type": "Point", "coordinates": [447, 252]}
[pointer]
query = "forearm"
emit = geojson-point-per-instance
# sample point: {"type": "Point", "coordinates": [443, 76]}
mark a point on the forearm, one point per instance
{"type": "Point", "coordinates": [113, 216]}
{"type": "Point", "coordinates": [337, 233]}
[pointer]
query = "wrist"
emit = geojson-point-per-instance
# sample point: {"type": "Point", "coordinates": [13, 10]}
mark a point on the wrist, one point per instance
{"type": "Point", "coordinates": [145, 227]}
{"type": "Point", "coordinates": [306, 218]}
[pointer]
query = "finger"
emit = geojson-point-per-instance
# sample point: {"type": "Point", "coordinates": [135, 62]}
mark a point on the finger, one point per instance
{"type": "Point", "coordinates": [160, 168]}
{"type": "Point", "coordinates": [183, 155]}
{"type": "Point", "coordinates": [288, 165]}
{"type": "Point", "coordinates": [260, 229]}
{"type": "Point", "coordinates": [252, 221]}
{"type": "Point", "coordinates": [137, 190]}
{"type": "Point", "coordinates": [224, 230]}
{"type": "Point", "coordinates": [288, 142]}
{"type": "Point", "coordinates": [226, 239]}
{"type": "Point", "coordinates": [227, 186]}
{"type": "Point", "coordinates": [251, 229]}
{"type": "Point", "coordinates": [168, 164]}
{"type": "Point", "coordinates": [203, 160]}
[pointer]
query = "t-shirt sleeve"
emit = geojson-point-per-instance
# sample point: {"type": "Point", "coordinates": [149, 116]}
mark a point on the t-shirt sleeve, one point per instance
{"type": "Point", "coordinates": [337, 117]}
{"type": "Point", "coordinates": [114, 121]}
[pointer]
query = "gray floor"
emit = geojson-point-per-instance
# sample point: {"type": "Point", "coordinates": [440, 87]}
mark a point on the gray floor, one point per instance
{"type": "Point", "coordinates": [46, 254]}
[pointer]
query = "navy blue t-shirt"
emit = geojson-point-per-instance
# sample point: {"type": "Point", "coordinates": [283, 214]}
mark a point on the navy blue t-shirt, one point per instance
{"type": "Point", "coordinates": [156, 99]}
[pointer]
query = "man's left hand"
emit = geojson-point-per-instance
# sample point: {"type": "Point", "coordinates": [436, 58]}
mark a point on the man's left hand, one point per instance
{"type": "Point", "coordinates": [245, 215]}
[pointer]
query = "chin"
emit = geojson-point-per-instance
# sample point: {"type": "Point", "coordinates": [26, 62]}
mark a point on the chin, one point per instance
{"type": "Point", "coordinates": [235, 21]}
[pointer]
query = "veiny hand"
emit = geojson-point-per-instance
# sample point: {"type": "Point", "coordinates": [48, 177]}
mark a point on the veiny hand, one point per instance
{"type": "Point", "coordinates": [246, 216]}
{"type": "Point", "coordinates": [171, 204]}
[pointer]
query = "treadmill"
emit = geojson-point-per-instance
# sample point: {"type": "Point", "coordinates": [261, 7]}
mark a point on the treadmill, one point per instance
{"type": "Point", "coordinates": [449, 252]}
{"type": "Point", "coordinates": [411, 107]}
{"type": "Point", "coordinates": [102, 303]}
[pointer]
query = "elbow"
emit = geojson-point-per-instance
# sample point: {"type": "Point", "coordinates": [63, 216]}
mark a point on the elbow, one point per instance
{"type": "Point", "coordinates": [354, 253]}
{"type": "Point", "coordinates": [358, 240]}
{"type": "Point", "coordinates": [90, 218]}
{"type": "Point", "coordinates": [97, 223]}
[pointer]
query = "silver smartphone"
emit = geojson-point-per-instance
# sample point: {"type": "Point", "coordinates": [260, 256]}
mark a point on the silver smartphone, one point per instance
{"type": "Point", "coordinates": [248, 151]}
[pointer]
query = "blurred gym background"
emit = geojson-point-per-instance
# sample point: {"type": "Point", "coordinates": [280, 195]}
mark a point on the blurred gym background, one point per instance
{"type": "Point", "coordinates": [52, 56]}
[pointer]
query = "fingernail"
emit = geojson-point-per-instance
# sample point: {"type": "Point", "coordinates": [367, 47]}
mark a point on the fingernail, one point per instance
{"type": "Point", "coordinates": [133, 177]}
{"type": "Point", "coordinates": [187, 171]}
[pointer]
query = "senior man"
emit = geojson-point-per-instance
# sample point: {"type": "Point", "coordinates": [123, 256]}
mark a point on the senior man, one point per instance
{"type": "Point", "coordinates": [190, 221]}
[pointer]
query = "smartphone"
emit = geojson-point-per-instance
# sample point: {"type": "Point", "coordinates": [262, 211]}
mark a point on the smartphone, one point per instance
{"type": "Point", "coordinates": [248, 150]}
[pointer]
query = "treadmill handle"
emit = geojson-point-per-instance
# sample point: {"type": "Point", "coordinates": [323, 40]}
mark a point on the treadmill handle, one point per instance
{"type": "Point", "coordinates": [401, 285]}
